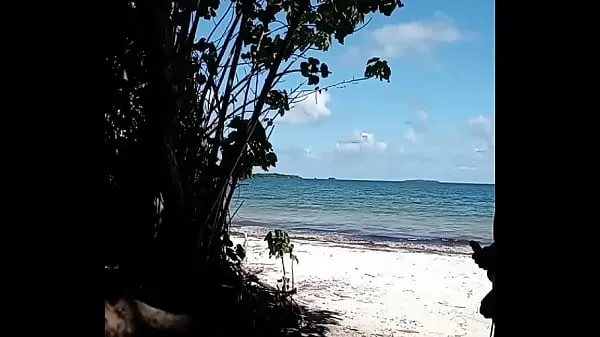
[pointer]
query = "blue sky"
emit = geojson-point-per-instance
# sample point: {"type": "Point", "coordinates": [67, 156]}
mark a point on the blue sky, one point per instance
{"type": "Point", "coordinates": [433, 121]}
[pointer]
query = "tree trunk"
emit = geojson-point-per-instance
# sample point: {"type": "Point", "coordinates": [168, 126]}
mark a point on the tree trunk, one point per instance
{"type": "Point", "coordinates": [173, 248]}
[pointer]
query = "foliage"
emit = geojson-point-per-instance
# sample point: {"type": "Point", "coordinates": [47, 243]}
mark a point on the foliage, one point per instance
{"type": "Point", "coordinates": [279, 246]}
{"type": "Point", "coordinates": [189, 111]}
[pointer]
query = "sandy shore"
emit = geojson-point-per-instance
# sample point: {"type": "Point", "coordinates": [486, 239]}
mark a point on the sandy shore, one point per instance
{"type": "Point", "coordinates": [383, 292]}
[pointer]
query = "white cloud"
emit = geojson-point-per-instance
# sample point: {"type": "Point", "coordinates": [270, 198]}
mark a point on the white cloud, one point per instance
{"type": "Point", "coordinates": [417, 127]}
{"type": "Point", "coordinates": [481, 148]}
{"type": "Point", "coordinates": [419, 36]}
{"type": "Point", "coordinates": [309, 109]}
{"type": "Point", "coordinates": [361, 142]}
{"type": "Point", "coordinates": [467, 168]}
{"type": "Point", "coordinates": [308, 153]}
{"type": "Point", "coordinates": [411, 135]}
{"type": "Point", "coordinates": [364, 156]}
{"type": "Point", "coordinates": [481, 129]}
{"type": "Point", "coordinates": [481, 124]}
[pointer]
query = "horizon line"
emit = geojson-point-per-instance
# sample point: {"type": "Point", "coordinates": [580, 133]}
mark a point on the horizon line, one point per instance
{"type": "Point", "coordinates": [380, 180]}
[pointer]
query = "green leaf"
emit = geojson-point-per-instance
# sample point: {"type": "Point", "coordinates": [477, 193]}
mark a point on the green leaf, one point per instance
{"type": "Point", "coordinates": [324, 70]}
{"type": "Point", "coordinates": [373, 59]}
{"type": "Point", "coordinates": [387, 6]}
{"type": "Point", "coordinates": [201, 45]}
{"type": "Point", "coordinates": [271, 158]}
{"type": "Point", "coordinates": [201, 79]}
{"type": "Point", "coordinates": [379, 69]}
{"type": "Point", "coordinates": [304, 69]}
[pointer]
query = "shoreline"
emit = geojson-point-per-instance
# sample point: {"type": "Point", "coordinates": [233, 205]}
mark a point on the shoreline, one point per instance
{"type": "Point", "coordinates": [380, 290]}
{"type": "Point", "coordinates": [344, 240]}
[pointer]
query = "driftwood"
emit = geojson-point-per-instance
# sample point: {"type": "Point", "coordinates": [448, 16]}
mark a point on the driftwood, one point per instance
{"type": "Point", "coordinates": [131, 317]}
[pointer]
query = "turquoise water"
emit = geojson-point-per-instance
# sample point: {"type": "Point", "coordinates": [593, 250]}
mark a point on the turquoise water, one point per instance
{"type": "Point", "coordinates": [423, 211]}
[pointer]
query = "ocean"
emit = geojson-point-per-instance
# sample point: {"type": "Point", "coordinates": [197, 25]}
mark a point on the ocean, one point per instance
{"type": "Point", "coordinates": [425, 212]}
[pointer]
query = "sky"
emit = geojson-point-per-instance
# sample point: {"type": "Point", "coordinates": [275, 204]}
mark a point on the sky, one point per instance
{"type": "Point", "coordinates": [434, 120]}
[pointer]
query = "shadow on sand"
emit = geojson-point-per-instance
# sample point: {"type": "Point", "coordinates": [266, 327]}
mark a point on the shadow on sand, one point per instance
{"type": "Point", "coordinates": [315, 323]}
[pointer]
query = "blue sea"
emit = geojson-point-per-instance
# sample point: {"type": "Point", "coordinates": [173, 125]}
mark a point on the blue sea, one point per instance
{"type": "Point", "coordinates": [425, 212]}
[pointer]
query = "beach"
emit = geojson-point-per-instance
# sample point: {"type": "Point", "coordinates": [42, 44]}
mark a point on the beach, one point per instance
{"type": "Point", "coordinates": [379, 289]}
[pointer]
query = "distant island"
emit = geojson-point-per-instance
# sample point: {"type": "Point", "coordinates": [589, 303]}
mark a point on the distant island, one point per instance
{"type": "Point", "coordinates": [409, 181]}
{"type": "Point", "coordinates": [275, 175]}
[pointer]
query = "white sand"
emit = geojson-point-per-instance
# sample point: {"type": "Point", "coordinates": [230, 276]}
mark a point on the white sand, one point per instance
{"type": "Point", "coordinates": [393, 292]}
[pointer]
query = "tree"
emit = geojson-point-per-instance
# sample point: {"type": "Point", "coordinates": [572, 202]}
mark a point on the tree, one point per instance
{"type": "Point", "coordinates": [189, 112]}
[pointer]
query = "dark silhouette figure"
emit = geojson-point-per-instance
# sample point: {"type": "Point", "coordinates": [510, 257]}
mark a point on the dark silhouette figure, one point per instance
{"type": "Point", "coordinates": [486, 259]}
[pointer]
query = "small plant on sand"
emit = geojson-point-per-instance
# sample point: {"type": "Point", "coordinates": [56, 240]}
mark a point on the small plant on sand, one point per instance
{"type": "Point", "coordinates": [279, 246]}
